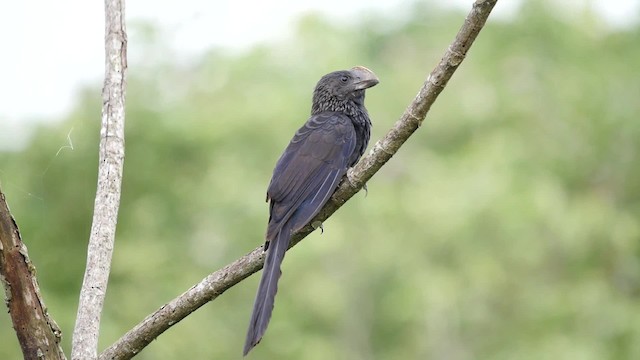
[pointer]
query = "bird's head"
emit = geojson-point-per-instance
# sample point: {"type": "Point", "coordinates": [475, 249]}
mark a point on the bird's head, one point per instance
{"type": "Point", "coordinates": [336, 90]}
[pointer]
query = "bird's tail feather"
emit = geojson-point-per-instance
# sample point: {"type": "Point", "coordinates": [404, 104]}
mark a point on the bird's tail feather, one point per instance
{"type": "Point", "coordinates": [263, 305]}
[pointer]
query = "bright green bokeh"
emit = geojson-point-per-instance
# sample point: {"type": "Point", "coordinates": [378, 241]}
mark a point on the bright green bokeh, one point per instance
{"type": "Point", "coordinates": [506, 228]}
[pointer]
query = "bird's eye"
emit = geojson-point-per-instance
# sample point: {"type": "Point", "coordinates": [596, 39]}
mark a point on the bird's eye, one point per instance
{"type": "Point", "coordinates": [344, 79]}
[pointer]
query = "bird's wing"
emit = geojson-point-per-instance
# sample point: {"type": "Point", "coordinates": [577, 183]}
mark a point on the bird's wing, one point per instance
{"type": "Point", "coordinates": [309, 170]}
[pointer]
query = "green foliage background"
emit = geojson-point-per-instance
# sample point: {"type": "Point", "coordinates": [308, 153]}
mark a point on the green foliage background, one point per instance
{"type": "Point", "coordinates": [506, 228]}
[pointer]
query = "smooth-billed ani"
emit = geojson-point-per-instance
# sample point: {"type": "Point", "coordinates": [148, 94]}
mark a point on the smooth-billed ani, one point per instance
{"type": "Point", "coordinates": [308, 172]}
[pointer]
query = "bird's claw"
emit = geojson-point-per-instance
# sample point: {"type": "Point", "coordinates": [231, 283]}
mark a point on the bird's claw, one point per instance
{"type": "Point", "coordinates": [318, 224]}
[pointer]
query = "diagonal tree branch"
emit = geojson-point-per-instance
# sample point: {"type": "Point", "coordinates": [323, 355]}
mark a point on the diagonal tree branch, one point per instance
{"type": "Point", "coordinates": [38, 334]}
{"type": "Point", "coordinates": [111, 159]}
{"type": "Point", "coordinates": [218, 282]}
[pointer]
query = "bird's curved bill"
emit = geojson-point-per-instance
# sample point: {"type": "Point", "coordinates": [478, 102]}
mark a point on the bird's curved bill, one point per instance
{"type": "Point", "coordinates": [365, 78]}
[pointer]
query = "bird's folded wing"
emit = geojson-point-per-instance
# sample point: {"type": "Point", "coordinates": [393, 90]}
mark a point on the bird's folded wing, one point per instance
{"type": "Point", "coordinates": [309, 170]}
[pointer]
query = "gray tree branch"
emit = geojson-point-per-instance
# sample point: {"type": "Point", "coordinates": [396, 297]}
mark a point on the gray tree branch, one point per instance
{"type": "Point", "coordinates": [218, 282]}
{"type": "Point", "coordinates": [107, 201]}
{"type": "Point", "coordinates": [38, 334]}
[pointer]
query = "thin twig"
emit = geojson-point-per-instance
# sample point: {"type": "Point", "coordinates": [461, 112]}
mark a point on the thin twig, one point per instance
{"type": "Point", "coordinates": [105, 215]}
{"type": "Point", "coordinates": [218, 282]}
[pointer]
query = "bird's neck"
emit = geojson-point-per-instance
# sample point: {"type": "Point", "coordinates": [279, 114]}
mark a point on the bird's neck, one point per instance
{"type": "Point", "coordinates": [350, 107]}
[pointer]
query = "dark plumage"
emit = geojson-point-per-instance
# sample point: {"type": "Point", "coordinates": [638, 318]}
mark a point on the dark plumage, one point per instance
{"type": "Point", "coordinates": [308, 172]}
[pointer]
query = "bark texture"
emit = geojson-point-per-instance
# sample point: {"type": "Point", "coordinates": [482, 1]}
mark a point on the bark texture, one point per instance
{"type": "Point", "coordinates": [218, 282]}
{"type": "Point", "coordinates": [107, 201]}
{"type": "Point", "coordinates": [38, 334]}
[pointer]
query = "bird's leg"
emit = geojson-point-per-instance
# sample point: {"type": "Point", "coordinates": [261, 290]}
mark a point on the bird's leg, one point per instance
{"type": "Point", "coordinates": [318, 224]}
{"type": "Point", "coordinates": [366, 191]}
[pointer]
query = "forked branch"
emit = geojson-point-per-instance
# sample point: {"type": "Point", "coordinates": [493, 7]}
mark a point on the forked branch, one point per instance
{"type": "Point", "coordinates": [218, 282]}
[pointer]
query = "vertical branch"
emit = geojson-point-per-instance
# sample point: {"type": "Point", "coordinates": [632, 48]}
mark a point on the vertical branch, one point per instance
{"type": "Point", "coordinates": [111, 159]}
{"type": "Point", "coordinates": [38, 334]}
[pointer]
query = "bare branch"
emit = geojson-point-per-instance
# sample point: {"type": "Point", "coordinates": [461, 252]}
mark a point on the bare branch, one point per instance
{"type": "Point", "coordinates": [218, 282]}
{"type": "Point", "coordinates": [38, 334]}
{"type": "Point", "coordinates": [100, 251]}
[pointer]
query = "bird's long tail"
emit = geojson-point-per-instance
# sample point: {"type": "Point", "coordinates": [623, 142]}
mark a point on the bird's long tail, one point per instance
{"type": "Point", "coordinates": [263, 305]}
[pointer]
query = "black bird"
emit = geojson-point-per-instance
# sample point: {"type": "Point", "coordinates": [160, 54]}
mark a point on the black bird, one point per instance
{"type": "Point", "coordinates": [308, 172]}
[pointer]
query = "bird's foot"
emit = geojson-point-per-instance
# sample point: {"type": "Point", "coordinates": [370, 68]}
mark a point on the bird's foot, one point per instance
{"type": "Point", "coordinates": [318, 224]}
{"type": "Point", "coordinates": [366, 191]}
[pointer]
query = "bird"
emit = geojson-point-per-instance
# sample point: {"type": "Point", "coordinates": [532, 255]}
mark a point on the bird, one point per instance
{"type": "Point", "coordinates": [308, 172]}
